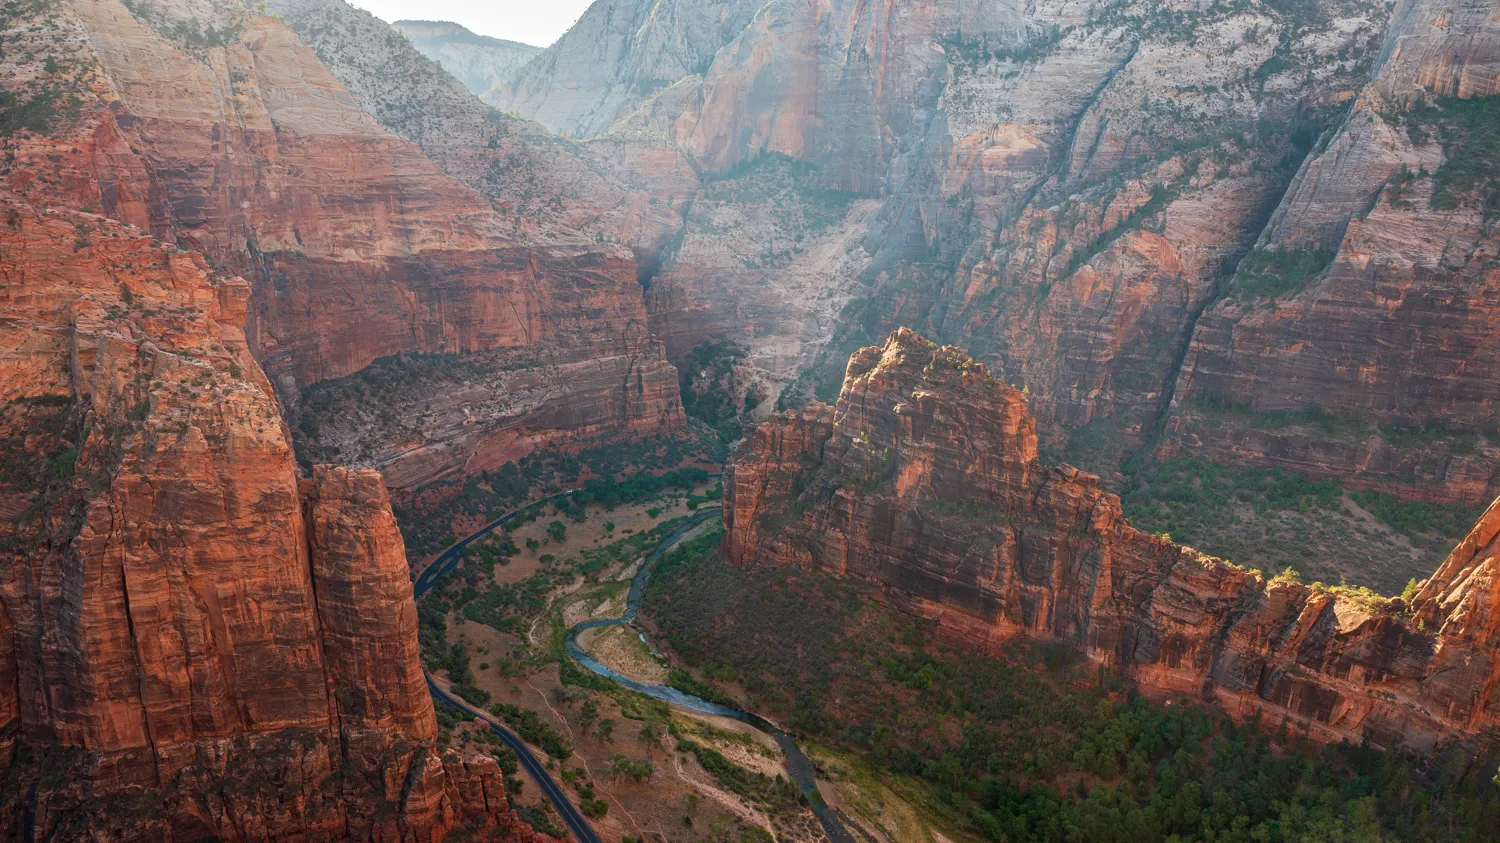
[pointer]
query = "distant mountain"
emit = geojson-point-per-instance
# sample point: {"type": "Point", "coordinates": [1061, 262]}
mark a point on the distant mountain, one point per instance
{"type": "Point", "coordinates": [478, 61]}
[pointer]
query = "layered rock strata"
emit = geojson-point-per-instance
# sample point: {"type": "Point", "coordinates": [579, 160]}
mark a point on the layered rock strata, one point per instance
{"type": "Point", "coordinates": [1068, 193]}
{"type": "Point", "coordinates": [236, 140]}
{"type": "Point", "coordinates": [924, 478]}
{"type": "Point", "coordinates": [1387, 332]}
{"type": "Point", "coordinates": [194, 643]}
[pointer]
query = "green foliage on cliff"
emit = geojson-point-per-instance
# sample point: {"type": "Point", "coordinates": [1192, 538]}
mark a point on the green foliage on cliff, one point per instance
{"type": "Point", "coordinates": [1271, 519]}
{"type": "Point", "coordinates": [1032, 745]}
{"type": "Point", "coordinates": [30, 113]}
{"type": "Point", "coordinates": [1418, 519]}
{"type": "Point", "coordinates": [1272, 273]}
{"type": "Point", "coordinates": [707, 384]}
{"type": "Point", "coordinates": [1469, 130]}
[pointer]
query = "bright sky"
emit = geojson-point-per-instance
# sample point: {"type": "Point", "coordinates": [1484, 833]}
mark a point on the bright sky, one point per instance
{"type": "Point", "coordinates": [538, 22]}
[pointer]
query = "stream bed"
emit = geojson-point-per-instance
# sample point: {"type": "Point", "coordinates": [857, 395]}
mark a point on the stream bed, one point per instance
{"type": "Point", "coordinates": [799, 766]}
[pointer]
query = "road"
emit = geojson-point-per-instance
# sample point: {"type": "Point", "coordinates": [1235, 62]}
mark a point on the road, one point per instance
{"type": "Point", "coordinates": [533, 766]}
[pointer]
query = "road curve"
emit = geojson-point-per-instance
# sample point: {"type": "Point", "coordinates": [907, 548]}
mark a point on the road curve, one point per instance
{"type": "Point", "coordinates": [533, 766]}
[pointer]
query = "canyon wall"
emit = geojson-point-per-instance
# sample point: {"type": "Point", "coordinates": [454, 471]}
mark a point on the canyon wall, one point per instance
{"type": "Point", "coordinates": [618, 54]}
{"type": "Point", "coordinates": [224, 133]}
{"type": "Point", "coordinates": [1230, 232]}
{"type": "Point", "coordinates": [196, 642]}
{"type": "Point", "coordinates": [924, 478]}
{"type": "Point", "coordinates": [1387, 330]}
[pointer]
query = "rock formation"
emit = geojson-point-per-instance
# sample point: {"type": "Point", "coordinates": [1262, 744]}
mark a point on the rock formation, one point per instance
{"type": "Point", "coordinates": [228, 135]}
{"type": "Point", "coordinates": [195, 643]}
{"type": "Point", "coordinates": [924, 478]}
{"type": "Point", "coordinates": [1068, 192]}
{"type": "Point", "coordinates": [478, 61]}
{"type": "Point", "coordinates": [618, 54]}
{"type": "Point", "coordinates": [1392, 338]}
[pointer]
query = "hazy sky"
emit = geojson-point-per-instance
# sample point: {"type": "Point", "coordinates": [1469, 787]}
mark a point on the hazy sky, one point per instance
{"type": "Point", "coordinates": [537, 22]}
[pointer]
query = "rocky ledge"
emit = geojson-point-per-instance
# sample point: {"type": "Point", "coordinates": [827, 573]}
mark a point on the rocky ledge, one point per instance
{"type": "Point", "coordinates": [925, 478]}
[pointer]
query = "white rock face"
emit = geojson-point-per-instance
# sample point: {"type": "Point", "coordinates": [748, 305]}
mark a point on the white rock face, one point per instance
{"type": "Point", "coordinates": [478, 61]}
{"type": "Point", "coordinates": [618, 54]}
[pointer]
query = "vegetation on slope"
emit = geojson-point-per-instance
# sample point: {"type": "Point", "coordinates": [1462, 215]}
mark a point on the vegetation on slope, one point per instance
{"type": "Point", "coordinates": [1032, 745]}
{"type": "Point", "coordinates": [1469, 130]}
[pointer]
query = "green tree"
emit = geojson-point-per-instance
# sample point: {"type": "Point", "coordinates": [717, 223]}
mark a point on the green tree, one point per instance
{"type": "Point", "coordinates": [588, 715]}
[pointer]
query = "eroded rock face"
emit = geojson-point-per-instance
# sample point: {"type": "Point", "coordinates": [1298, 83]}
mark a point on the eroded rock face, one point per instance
{"type": "Point", "coordinates": [195, 645]}
{"type": "Point", "coordinates": [1066, 192]}
{"type": "Point", "coordinates": [1394, 333]}
{"type": "Point", "coordinates": [247, 147]}
{"type": "Point", "coordinates": [617, 54]}
{"type": "Point", "coordinates": [924, 478]}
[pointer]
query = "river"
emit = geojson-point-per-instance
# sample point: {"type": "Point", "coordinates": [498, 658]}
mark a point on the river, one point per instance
{"type": "Point", "coordinates": [799, 767]}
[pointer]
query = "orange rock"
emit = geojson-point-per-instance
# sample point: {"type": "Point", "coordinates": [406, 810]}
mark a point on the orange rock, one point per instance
{"type": "Point", "coordinates": [181, 625]}
{"type": "Point", "coordinates": [924, 477]}
{"type": "Point", "coordinates": [356, 244]}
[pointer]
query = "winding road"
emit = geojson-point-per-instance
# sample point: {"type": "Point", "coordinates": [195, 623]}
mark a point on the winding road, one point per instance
{"type": "Point", "coordinates": [533, 766]}
{"type": "Point", "coordinates": [799, 767]}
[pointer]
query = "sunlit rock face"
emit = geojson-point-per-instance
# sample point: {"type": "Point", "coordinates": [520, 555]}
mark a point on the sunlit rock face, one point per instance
{"type": "Point", "coordinates": [194, 642]}
{"type": "Point", "coordinates": [924, 478]}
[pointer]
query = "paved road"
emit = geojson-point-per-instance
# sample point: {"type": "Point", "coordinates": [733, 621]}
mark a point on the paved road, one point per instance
{"type": "Point", "coordinates": [447, 561]}
{"type": "Point", "coordinates": [533, 766]}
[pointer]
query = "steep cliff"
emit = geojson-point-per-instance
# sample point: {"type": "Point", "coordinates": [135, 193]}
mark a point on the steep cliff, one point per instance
{"type": "Point", "coordinates": [196, 643]}
{"type": "Point", "coordinates": [924, 477]}
{"type": "Point", "coordinates": [1250, 228]}
{"type": "Point", "coordinates": [226, 134]}
{"type": "Point", "coordinates": [620, 53]}
{"type": "Point", "coordinates": [1368, 299]}
{"type": "Point", "coordinates": [623, 190]}
{"type": "Point", "coordinates": [478, 61]}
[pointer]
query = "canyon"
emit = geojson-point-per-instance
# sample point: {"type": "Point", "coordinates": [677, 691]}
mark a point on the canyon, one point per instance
{"type": "Point", "coordinates": [1091, 201]}
{"type": "Point", "coordinates": [924, 478]}
{"type": "Point", "coordinates": [265, 268]}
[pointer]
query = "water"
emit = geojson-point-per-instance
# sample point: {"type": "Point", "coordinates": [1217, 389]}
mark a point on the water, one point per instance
{"type": "Point", "coordinates": [798, 765]}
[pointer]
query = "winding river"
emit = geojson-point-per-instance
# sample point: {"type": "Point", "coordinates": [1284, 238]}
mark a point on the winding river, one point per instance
{"type": "Point", "coordinates": [798, 766]}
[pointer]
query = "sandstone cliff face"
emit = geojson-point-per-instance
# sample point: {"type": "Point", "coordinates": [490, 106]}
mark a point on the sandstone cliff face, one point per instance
{"type": "Point", "coordinates": [183, 624]}
{"type": "Point", "coordinates": [767, 258]}
{"type": "Point", "coordinates": [1392, 336]}
{"type": "Point", "coordinates": [924, 477]}
{"type": "Point", "coordinates": [1067, 192]}
{"type": "Point", "coordinates": [248, 148]}
{"type": "Point", "coordinates": [626, 190]}
{"type": "Point", "coordinates": [478, 61]}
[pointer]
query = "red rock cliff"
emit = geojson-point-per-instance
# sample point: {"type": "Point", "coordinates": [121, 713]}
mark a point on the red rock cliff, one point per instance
{"type": "Point", "coordinates": [924, 478]}
{"type": "Point", "coordinates": [247, 148]}
{"type": "Point", "coordinates": [190, 644]}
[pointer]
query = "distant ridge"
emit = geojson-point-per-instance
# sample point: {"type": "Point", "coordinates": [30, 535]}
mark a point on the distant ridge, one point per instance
{"type": "Point", "coordinates": [479, 61]}
{"type": "Point", "coordinates": [455, 33]}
